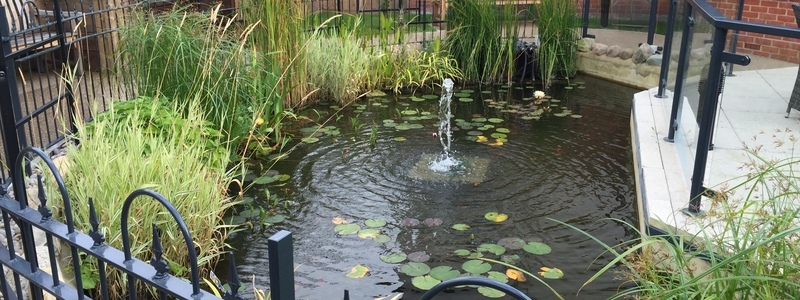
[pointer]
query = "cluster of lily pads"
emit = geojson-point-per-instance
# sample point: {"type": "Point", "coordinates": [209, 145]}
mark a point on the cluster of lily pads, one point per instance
{"type": "Point", "coordinates": [424, 277]}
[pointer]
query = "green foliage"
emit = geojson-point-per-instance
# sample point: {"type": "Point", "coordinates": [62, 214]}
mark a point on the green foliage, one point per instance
{"type": "Point", "coordinates": [481, 40]}
{"type": "Point", "coordinates": [425, 68]}
{"type": "Point", "coordinates": [746, 247]}
{"type": "Point", "coordinates": [372, 24]}
{"type": "Point", "coordinates": [279, 31]}
{"type": "Point", "coordinates": [187, 57]}
{"type": "Point", "coordinates": [558, 35]}
{"type": "Point", "coordinates": [337, 65]}
{"type": "Point", "coordinates": [119, 155]}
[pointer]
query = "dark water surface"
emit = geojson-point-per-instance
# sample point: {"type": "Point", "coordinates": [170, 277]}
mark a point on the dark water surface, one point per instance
{"type": "Point", "coordinates": [576, 170]}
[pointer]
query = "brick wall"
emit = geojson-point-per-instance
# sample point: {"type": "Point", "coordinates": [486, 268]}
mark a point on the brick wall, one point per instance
{"type": "Point", "coordinates": [774, 12]}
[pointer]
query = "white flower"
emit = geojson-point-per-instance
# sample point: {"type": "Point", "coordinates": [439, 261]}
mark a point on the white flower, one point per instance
{"type": "Point", "coordinates": [538, 94]}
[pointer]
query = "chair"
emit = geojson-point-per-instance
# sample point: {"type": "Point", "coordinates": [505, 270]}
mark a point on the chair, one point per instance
{"type": "Point", "coordinates": [794, 99]}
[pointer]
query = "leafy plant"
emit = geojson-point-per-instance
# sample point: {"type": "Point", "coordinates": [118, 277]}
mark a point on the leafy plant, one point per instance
{"type": "Point", "coordinates": [426, 68]}
{"type": "Point", "coordinates": [173, 162]}
{"type": "Point", "coordinates": [558, 35]}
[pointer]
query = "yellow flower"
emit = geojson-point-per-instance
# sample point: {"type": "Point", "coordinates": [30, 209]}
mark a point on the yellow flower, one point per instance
{"type": "Point", "coordinates": [259, 121]}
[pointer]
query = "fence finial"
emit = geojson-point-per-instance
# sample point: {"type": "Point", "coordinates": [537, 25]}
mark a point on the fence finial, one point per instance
{"type": "Point", "coordinates": [158, 263]}
{"type": "Point", "coordinates": [43, 209]}
{"type": "Point", "coordinates": [233, 281]}
{"type": "Point", "coordinates": [95, 233]}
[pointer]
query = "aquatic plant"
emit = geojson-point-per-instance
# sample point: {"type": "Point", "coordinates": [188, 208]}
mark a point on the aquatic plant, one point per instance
{"type": "Point", "coordinates": [746, 246]}
{"type": "Point", "coordinates": [558, 34]}
{"type": "Point", "coordinates": [481, 40]}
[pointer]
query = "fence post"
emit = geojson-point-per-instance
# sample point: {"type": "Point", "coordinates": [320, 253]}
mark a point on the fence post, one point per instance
{"type": "Point", "coordinates": [8, 95]}
{"type": "Point", "coordinates": [667, 53]}
{"type": "Point", "coordinates": [281, 266]}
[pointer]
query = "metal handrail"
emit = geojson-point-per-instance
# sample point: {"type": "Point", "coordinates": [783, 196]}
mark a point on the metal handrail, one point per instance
{"type": "Point", "coordinates": [473, 280]}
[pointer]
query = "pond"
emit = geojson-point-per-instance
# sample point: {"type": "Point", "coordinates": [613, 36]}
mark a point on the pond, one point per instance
{"type": "Point", "coordinates": [571, 163]}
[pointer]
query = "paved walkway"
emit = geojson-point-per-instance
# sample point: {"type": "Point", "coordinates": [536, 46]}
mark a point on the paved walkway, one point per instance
{"type": "Point", "coordinates": [751, 126]}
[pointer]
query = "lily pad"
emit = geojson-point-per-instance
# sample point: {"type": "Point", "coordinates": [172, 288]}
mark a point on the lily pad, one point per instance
{"type": "Point", "coordinates": [537, 248]}
{"type": "Point", "coordinates": [496, 216]}
{"type": "Point", "coordinates": [339, 220]}
{"type": "Point", "coordinates": [474, 133]}
{"type": "Point", "coordinates": [478, 120]}
{"type": "Point", "coordinates": [368, 233]}
{"type": "Point", "coordinates": [497, 276]}
{"type": "Point", "coordinates": [461, 95]}
{"type": "Point", "coordinates": [359, 271]}
{"type": "Point", "coordinates": [430, 96]}
{"type": "Point", "coordinates": [309, 140]}
{"type": "Point", "coordinates": [465, 99]}
{"type": "Point", "coordinates": [425, 283]}
{"type": "Point", "coordinates": [375, 223]}
{"type": "Point", "coordinates": [419, 256]}
{"type": "Point", "coordinates": [417, 99]}
{"type": "Point", "coordinates": [414, 269]}
{"type": "Point", "coordinates": [495, 120]}
{"type": "Point", "coordinates": [460, 227]}
{"type": "Point", "coordinates": [492, 248]}
{"type": "Point", "coordinates": [236, 220]}
{"type": "Point", "coordinates": [502, 130]}
{"type": "Point", "coordinates": [551, 273]}
{"type": "Point", "coordinates": [274, 219]}
{"type": "Point", "coordinates": [399, 139]}
{"type": "Point", "coordinates": [474, 255]}
{"type": "Point", "coordinates": [394, 258]}
{"type": "Point", "coordinates": [382, 238]}
{"type": "Point", "coordinates": [345, 229]}
{"type": "Point", "coordinates": [266, 179]}
{"type": "Point", "coordinates": [250, 213]}
{"type": "Point", "coordinates": [512, 259]}
{"type": "Point", "coordinates": [499, 135]}
{"type": "Point", "coordinates": [444, 273]}
{"type": "Point", "coordinates": [461, 252]}
{"type": "Point", "coordinates": [512, 243]}
{"type": "Point", "coordinates": [476, 267]}
{"type": "Point", "coordinates": [431, 222]}
{"type": "Point", "coordinates": [468, 91]}
{"type": "Point", "coordinates": [409, 112]}
{"type": "Point", "coordinates": [576, 116]}
{"type": "Point", "coordinates": [409, 222]}
{"type": "Point", "coordinates": [490, 292]}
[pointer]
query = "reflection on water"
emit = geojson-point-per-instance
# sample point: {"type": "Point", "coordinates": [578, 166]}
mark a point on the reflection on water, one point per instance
{"type": "Point", "coordinates": [576, 170]}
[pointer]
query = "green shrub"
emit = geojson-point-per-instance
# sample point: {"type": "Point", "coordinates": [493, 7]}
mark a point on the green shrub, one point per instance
{"type": "Point", "coordinates": [338, 65]}
{"type": "Point", "coordinates": [121, 153]}
{"type": "Point", "coordinates": [425, 69]}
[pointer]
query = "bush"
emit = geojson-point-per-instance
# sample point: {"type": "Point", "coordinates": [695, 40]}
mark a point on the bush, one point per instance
{"type": "Point", "coordinates": [338, 66]}
{"type": "Point", "coordinates": [122, 153]}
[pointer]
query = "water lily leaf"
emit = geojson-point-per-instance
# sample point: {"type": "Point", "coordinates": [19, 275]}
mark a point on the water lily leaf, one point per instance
{"type": "Point", "coordinates": [510, 259]}
{"type": "Point", "coordinates": [274, 219]}
{"type": "Point", "coordinates": [461, 252]}
{"type": "Point", "coordinates": [409, 112]}
{"type": "Point", "coordinates": [382, 238]}
{"type": "Point", "coordinates": [495, 120]}
{"type": "Point", "coordinates": [374, 223]}
{"type": "Point", "coordinates": [400, 139]}
{"type": "Point", "coordinates": [250, 213]}
{"type": "Point", "coordinates": [236, 220]}
{"type": "Point", "coordinates": [246, 200]}
{"type": "Point", "coordinates": [461, 95]}
{"type": "Point", "coordinates": [345, 229]}
{"type": "Point", "coordinates": [476, 267]}
{"type": "Point", "coordinates": [430, 96]}
{"type": "Point", "coordinates": [368, 233]}
{"type": "Point", "coordinates": [502, 130]}
{"type": "Point", "coordinates": [444, 273]}
{"type": "Point", "coordinates": [309, 140]}
{"type": "Point", "coordinates": [512, 243]}
{"type": "Point", "coordinates": [266, 179]}
{"type": "Point", "coordinates": [417, 99]}
{"type": "Point", "coordinates": [490, 292]}
{"type": "Point", "coordinates": [492, 248]}
{"type": "Point", "coordinates": [465, 99]}
{"type": "Point", "coordinates": [516, 275]}
{"type": "Point", "coordinates": [496, 216]}
{"type": "Point", "coordinates": [414, 269]}
{"type": "Point", "coordinates": [339, 220]}
{"type": "Point", "coordinates": [499, 135]}
{"type": "Point", "coordinates": [474, 255]}
{"type": "Point", "coordinates": [310, 129]}
{"type": "Point", "coordinates": [468, 91]}
{"type": "Point", "coordinates": [497, 276]}
{"type": "Point", "coordinates": [460, 227]}
{"type": "Point", "coordinates": [376, 93]}
{"type": "Point", "coordinates": [425, 282]}
{"type": "Point", "coordinates": [537, 248]}
{"type": "Point", "coordinates": [567, 87]}
{"type": "Point", "coordinates": [430, 222]}
{"type": "Point", "coordinates": [419, 256]}
{"type": "Point", "coordinates": [408, 222]}
{"type": "Point", "coordinates": [394, 258]}
{"type": "Point", "coordinates": [551, 273]}
{"type": "Point", "coordinates": [359, 271]}
{"type": "Point", "coordinates": [478, 120]}
{"type": "Point", "coordinates": [576, 116]}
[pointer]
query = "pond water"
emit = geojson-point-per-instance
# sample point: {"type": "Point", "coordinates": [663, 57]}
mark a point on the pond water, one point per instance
{"type": "Point", "coordinates": [575, 169]}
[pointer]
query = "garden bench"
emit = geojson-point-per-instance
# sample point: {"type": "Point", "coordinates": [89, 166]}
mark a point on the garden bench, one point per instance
{"type": "Point", "coordinates": [28, 33]}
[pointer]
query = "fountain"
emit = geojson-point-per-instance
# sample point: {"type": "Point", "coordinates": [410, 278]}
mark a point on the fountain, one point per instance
{"type": "Point", "coordinates": [445, 162]}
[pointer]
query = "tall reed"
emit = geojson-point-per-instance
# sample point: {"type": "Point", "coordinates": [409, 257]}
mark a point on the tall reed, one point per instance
{"type": "Point", "coordinates": [279, 32]}
{"type": "Point", "coordinates": [558, 22]}
{"type": "Point", "coordinates": [476, 39]}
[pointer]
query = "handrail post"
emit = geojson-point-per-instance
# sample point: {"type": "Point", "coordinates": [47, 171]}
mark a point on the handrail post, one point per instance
{"type": "Point", "coordinates": [651, 28]}
{"type": "Point", "coordinates": [667, 53]}
{"type": "Point", "coordinates": [707, 122]}
{"type": "Point", "coordinates": [680, 78]}
{"type": "Point", "coordinates": [735, 39]}
{"type": "Point", "coordinates": [281, 266]}
{"type": "Point", "coordinates": [585, 24]}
